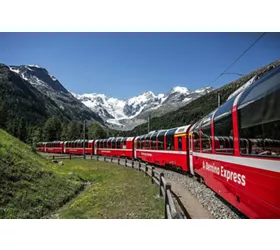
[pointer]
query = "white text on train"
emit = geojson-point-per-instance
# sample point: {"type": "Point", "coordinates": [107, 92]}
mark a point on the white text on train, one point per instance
{"type": "Point", "coordinates": [227, 174]}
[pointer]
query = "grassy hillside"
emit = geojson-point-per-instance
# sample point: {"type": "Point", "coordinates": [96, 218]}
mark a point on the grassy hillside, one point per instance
{"type": "Point", "coordinates": [198, 108]}
{"type": "Point", "coordinates": [113, 192]}
{"type": "Point", "coordinates": [28, 186]}
{"type": "Point", "coordinates": [33, 187]}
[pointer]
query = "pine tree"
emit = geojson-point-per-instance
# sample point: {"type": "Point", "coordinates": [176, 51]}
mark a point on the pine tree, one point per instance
{"type": "Point", "coordinates": [52, 129]}
{"type": "Point", "coordinates": [36, 136]}
{"type": "Point", "coordinates": [95, 131]}
{"type": "Point", "coordinates": [64, 132]}
{"type": "Point", "coordinates": [74, 130]}
{"type": "Point", "coordinates": [23, 134]}
{"type": "Point", "coordinates": [3, 115]}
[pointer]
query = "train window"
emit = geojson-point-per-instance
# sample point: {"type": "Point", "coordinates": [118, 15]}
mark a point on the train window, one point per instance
{"type": "Point", "coordinates": [223, 128]}
{"type": "Point", "coordinates": [206, 138]}
{"type": "Point", "coordinates": [119, 143]}
{"type": "Point", "coordinates": [113, 143]}
{"type": "Point", "coordinates": [153, 140]}
{"type": "Point", "coordinates": [261, 131]}
{"type": "Point", "coordinates": [142, 142]}
{"type": "Point", "coordinates": [180, 143]}
{"type": "Point", "coordinates": [160, 140]}
{"type": "Point", "coordinates": [124, 143]}
{"type": "Point", "coordinates": [147, 142]}
{"type": "Point", "coordinates": [224, 134]}
{"type": "Point", "coordinates": [196, 139]}
{"type": "Point", "coordinates": [170, 139]}
{"type": "Point", "coordinates": [138, 143]}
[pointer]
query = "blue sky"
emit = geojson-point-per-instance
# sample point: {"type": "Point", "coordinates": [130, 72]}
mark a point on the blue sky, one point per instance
{"type": "Point", "coordinates": [123, 65]}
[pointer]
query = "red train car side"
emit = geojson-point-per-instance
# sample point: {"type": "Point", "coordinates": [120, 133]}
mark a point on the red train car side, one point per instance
{"type": "Point", "coordinates": [115, 147]}
{"type": "Point", "coordinates": [54, 147]}
{"type": "Point", "coordinates": [236, 149]}
{"type": "Point", "coordinates": [164, 148]}
{"type": "Point", "coordinates": [77, 147]}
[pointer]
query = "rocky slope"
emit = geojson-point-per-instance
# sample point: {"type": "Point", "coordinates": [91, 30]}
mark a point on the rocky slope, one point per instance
{"type": "Point", "coordinates": [126, 114]}
{"type": "Point", "coordinates": [49, 86]}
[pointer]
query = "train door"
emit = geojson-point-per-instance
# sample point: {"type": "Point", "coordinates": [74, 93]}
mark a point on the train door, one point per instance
{"type": "Point", "coordinates": [190, 135]}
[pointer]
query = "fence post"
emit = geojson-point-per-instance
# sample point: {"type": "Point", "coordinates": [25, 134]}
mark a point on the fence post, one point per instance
{"type": "Point", "coordinates": [104, 158]}
{"type": "Point", "coordinates": [132, 163]}
{"type": "Point", "coordinates": [161, 175]}
{"type": "Point", "coordinates": [97, 157]}
{"type": "Point", "coordinates": [111, 158]}
{"type": "Point", "coordinates": [153, 174]}
{"type": "Point", "coordinates": [118, 160]}
{"type": "Point", "coordinates": [146, 168]}
{"type": "Point", "coordinates": [125, 163]}
{"type": "Point", "coordinates": [139, 164]}
{"type": "Point", "coordinates": [167, 187]}
{"type": "Point", "coordinates": [91, 157]}
{"type": "Point", "coordinates": [53, 157]}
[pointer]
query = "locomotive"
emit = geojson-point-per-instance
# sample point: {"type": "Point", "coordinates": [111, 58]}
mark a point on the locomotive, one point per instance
{"type": "Point", "coordinates": [235, 149]}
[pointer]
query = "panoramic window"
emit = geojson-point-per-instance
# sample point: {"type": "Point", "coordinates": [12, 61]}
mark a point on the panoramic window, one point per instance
{"type": "Point", "coordinates": [196, 141]}
{"type": "Point", "coordinates": [113, 143]}
{"type": "Point", "coordinates": [160, 139]}
{"type": "Point", "coordinates": [260, 133]}
{"type": "Point", "coordinates": [206, 135]}
{"type": "Point", "coordinates": [170, 139]}
{"type": "Point", "coordinates": [223, 128]}
{"type": "Point", "coordinates": [124, 144]}
{"type": "Point", "coordinates": [153, 141]}
{"type": "Point", "coordinates": [139, 143]}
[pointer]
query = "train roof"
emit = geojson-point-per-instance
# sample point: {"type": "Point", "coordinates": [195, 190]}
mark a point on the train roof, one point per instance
{"type": "Point", "coordinates": [182, 129]}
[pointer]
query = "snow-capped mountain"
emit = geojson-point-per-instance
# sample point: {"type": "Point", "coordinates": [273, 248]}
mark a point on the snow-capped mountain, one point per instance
{"type": "Point", "coordinates": [48, 85]}
{"type": "Point", "coordinates": [126, 114]}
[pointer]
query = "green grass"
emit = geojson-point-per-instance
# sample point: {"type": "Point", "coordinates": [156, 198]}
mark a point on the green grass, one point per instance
{"type": "Point", "coordinates": [28, 186]}
{"type": "Point", "coordinates": [115, 192]}
{"type": "Point", "coordinates": [33, 187]}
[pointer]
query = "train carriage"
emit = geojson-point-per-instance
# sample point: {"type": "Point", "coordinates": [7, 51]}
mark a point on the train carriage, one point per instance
{"type": "Point", "coordinates": [115, 147]}
{"type": "Point", "coordinates": [54, 147]}
{"type": "Point", "coordinates": [164, 148]}
{"type": "Point", "coordinates": [77, 147]}
{"type": "Point", "coordinates": [236, 149]}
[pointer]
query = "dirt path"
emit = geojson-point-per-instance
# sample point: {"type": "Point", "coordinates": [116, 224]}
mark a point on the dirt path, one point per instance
{"type": "Point", "coordinates": [190, 202]}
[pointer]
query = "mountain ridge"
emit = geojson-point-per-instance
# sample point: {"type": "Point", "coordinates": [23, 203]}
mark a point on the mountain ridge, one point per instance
{"type": "Point", "coordinates": [48, 85]}
{"type": "Point", "coordinates": [125, 114]}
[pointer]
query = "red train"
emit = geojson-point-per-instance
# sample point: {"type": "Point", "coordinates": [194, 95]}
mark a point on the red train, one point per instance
{"type": "Point", "coordinates": [235, 149]}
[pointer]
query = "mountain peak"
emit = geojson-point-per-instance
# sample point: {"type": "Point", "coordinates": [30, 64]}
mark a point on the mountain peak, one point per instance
{"type": "Point", "coordinates": [179, 89]}
{"type": "Point", "coordinates": [38, 76]}
{"type": "Point", "coordinates": [34, 66]}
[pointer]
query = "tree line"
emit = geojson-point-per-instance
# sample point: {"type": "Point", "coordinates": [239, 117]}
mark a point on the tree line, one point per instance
{"type": "Point", "coordinates": [54, 129]}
